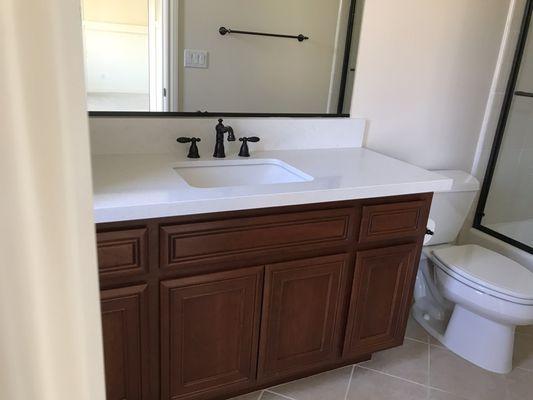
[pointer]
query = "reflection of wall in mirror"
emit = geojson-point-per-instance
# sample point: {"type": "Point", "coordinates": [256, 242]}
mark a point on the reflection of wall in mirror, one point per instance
{"type": "Point", "coordinates": [262, 74]}
{"type": "Point", "coordinates": [129, 12]}
{"type": "Point", "coordinates": [116, 54]}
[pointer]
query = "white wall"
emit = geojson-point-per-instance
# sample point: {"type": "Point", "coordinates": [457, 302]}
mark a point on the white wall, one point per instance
{"type": "Point", "coordinates": [423, 77]}
{"type": "Point", "coordinates": [260, 74]}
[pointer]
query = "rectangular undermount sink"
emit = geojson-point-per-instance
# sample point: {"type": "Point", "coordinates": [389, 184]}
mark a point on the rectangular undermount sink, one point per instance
{"type": "Point", "coordinates": [223, 173]}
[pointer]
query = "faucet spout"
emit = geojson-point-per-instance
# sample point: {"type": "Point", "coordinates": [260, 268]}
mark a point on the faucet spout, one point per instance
{"type": "Point", "coordinates": [231, 135]}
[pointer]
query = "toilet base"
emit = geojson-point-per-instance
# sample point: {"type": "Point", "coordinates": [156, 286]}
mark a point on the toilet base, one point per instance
{"type": "Point", "coordinates": [481, 341]}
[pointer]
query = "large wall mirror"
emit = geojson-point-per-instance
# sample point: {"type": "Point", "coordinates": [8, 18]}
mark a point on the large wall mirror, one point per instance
{"type": "Point", "coordinates": [220, 56]}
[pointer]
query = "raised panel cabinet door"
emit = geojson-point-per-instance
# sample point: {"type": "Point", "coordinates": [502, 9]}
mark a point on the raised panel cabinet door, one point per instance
{"type": "Point", "coordinates": [301, 315]}
{"type": "Point", "coordinates": [380, 300]}
{"type": "Point", "coordinates": [209, 333]}
{"type": "Point", "coordinates": [124, 328]}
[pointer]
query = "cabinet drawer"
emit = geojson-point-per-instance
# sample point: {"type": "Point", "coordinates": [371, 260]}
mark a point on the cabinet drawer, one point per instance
{"type": "Point", "coordinates": [393, 221]}
{"type": "Point", "coordinates": [122, 253]}
{"type": "Point", "coordinates": [238, 237]}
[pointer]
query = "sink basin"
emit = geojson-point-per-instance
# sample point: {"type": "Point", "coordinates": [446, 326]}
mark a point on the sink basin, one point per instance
{"type": "Point", "coordinates": [222, 173]}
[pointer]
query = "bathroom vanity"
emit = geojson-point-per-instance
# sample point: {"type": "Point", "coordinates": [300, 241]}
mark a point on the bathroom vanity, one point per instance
{"type": "Point", "coordinates": [212, 302]}
{"type": "Point", "coordinates": [212, 305]}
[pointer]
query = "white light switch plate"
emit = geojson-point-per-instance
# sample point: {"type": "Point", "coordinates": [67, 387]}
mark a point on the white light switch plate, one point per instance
{"type": "Point", "coordinates": [195, 58]}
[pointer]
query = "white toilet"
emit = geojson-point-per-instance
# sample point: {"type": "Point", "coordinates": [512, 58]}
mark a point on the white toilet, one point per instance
{"type": "Point", "coordinates": [468, 297]}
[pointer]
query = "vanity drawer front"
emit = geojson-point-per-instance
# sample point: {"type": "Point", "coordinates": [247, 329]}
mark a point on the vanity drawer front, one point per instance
{"type": "Point", "coordinates": [225, 239]}
{"type": "Point", "coordinates": [122, 253]}
{"type": "Point", "coordinates": [393, 221]}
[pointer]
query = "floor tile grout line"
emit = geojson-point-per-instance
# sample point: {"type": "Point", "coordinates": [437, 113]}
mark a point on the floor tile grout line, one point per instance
{"type": "Point", "coordinates": [429, 365]}
{"type": "Point", "coordinates": [393, 376]}
{"type": "Point", "coordinates": [430, 388]}
{"type": "Point", "coordinates": [428, 385]}
{"type": "Point", "coordinates": [349, 383]}
{"type": "Point", "coordinates": [444, 391]}
{"type": "Point", "coordinates": [278, 394]}
{"type": "Point", "coordinates": [417, 340]}
{"type": "Point", "coordinates": [428, 395]}
{"type": "Point", "coordinates": [524, 369]}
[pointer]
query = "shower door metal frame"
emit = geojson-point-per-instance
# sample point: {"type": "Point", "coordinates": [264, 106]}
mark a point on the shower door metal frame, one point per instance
{"type": "Point", "coordinates": [500, 133]}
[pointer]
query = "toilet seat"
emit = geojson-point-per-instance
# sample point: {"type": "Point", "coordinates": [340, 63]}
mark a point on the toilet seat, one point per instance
{"type": "Point", "coordinates": [487, 271]}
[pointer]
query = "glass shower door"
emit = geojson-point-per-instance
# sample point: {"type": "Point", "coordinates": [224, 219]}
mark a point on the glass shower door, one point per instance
{"type": "Point", "coordinates": [506, 203]}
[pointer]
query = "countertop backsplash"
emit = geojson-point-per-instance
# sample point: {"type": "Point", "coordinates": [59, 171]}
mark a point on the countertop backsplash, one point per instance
{"type": "Point", "coordinates": [113, 135]}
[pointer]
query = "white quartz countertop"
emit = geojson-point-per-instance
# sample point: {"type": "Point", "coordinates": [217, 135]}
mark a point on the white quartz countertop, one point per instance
{"type": "Point", "coordinates": [137, 186]}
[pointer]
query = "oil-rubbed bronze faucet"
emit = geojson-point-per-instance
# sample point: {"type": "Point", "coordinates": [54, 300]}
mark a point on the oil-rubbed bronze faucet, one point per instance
{"type": "Point", "coordinates": [219, 145]}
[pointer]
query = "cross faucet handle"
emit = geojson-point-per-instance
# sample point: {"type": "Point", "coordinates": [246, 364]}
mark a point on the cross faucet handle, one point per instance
{"type": "Point", "coordinates": [193, 150]}
{"type": "Point", "coordinates": [245, 152]}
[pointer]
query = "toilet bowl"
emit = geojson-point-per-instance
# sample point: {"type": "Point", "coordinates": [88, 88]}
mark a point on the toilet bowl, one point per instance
{"type": "Point", "coordinates": [487, 296]}
{"type": "Point", "coordinates": [470, 298]}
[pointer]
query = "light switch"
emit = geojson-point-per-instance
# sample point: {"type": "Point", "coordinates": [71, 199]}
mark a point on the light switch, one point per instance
{"type": "Point", "coordinates": [195, 58]}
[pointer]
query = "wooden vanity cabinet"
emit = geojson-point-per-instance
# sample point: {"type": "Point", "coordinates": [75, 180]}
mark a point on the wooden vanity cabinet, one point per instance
{"type": "Point", "coordinates": [212, 306]}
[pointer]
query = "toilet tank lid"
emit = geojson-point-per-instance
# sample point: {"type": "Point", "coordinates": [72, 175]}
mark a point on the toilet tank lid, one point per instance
{"type": "Point", "coordinates": [462, 181]}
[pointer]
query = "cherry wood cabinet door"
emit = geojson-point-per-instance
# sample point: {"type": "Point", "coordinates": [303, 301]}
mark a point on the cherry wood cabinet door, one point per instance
{"type": "Point", "coordinates": [301, 315]}
{"type": "Point", "coordinates": [125, 329]}
{"type": "Point", "coordinates": [380, 299]}
{"type": "Point", "coordinates": [209, 333]}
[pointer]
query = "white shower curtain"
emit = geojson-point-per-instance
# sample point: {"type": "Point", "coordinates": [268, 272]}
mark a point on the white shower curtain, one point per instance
{"type": "Point", "coordinates": [50, 334]}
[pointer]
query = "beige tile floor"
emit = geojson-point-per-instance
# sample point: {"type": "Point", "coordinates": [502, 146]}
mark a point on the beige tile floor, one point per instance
{"type": "Point", "coordinates": [421, 369]}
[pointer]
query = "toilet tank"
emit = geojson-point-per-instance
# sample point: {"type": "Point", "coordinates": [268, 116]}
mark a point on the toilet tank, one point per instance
{"type": "Point", "coordinates": [449, 209]}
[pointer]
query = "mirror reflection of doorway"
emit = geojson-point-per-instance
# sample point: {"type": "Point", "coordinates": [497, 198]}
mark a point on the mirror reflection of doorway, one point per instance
{"type": "Point", "coordinates": [124, 54]}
